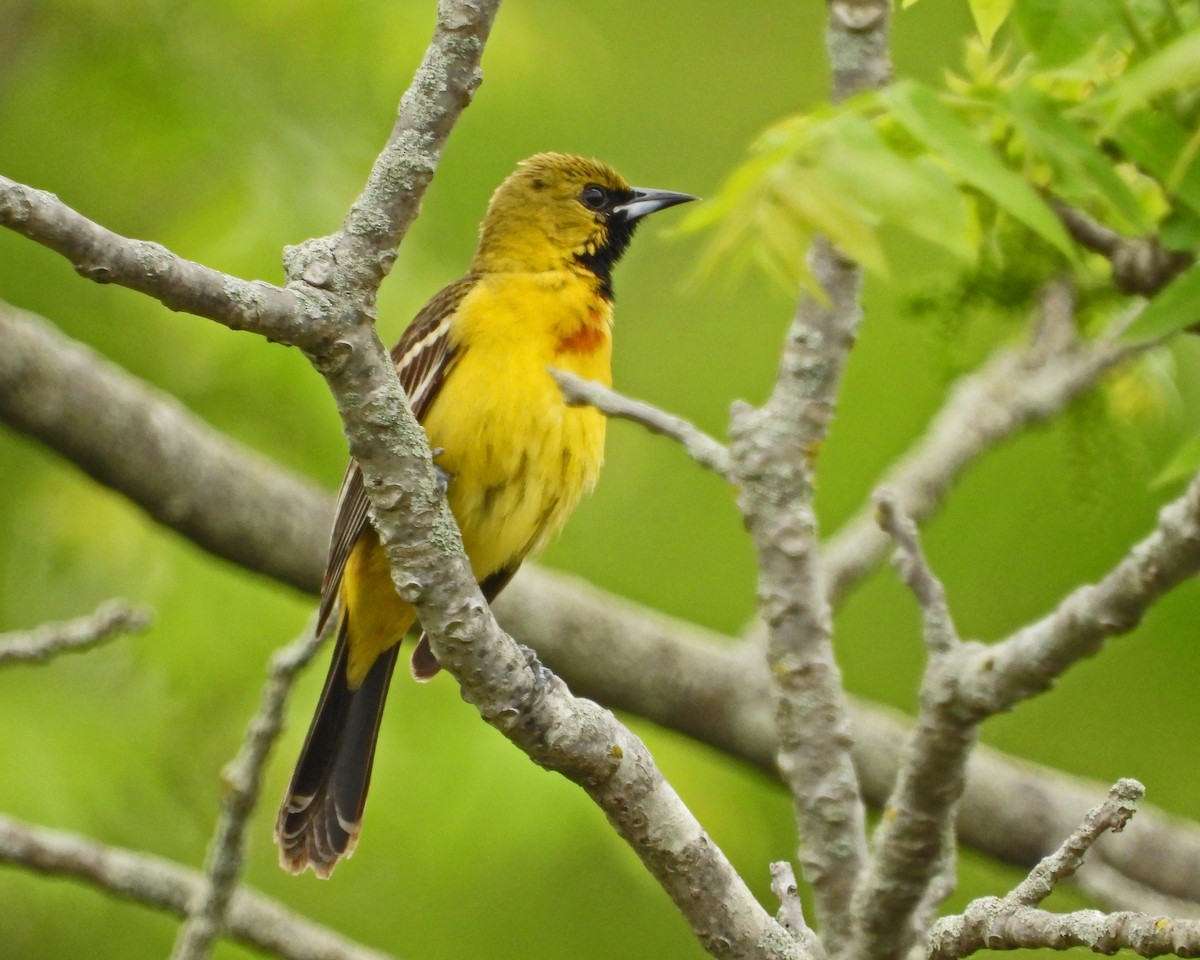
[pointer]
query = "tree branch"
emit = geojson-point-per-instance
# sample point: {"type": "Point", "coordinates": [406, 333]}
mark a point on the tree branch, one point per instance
{"type": "Point", "coordinates": [705, 450]}
{"type": "Point", "coordinates": [702, 684]}
{"type": "Point", "coordinates": [1139, 264]}
{"type": "Point", "coordinates": [964, 684]}
{"type": "Point", "coordinates": [357, 258]}
{"type": "Point", "coordinates": [991, 924]}
{"type": "Point", "coordinates": [147, 446]}
{"type": "Point", "coordinates": [914, 570]}
{"type": "Point", "coordinates": [1113, 814]}
{"type": "Point", "coordinates": [109, 620]}
{"type": "Point", "coordinates": [772, 452]}
{"type": "Point", "coordinates": [997, 677]}
{"type": "Point", "coordinates": [253, 919]}
{"type": "Point", "coordinates": [791, 910]}
{"type": "Point", "coordinates": [1014, 922]}
{"type": "Point", "coordinates": [1014, 390]}
{"type": "Point", "coordinates": [103, 256]}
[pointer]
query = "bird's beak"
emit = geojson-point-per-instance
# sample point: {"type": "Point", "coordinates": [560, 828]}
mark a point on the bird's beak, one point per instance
{"type": "Point", "coordinates": [648, 201]}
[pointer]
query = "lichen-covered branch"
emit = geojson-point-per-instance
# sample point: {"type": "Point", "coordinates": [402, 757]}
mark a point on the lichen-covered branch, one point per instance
{"type": "Point", "coordinates": [791, 910]}
{"type": "Point", "coordinates": [355, 260]}
{"type": "Point", "coordinates": [940, 634]}
{"type": "Point", "coordinates": [253, 919]}
{"type": "Point", "coordinates": [991, 924]}
{"type": "Point", "coordinates": [966, 683]}
{"type": "Point", "coordinates": [109, 620]}
{"type": "Point", "coordinates": [1014, 921]}
{"type": "Point", "coordinates": [698, 682]}
{"type": "Point", "coordinates": [1113, 814]}
{"type": "Point", "coordinates": [101, 255]}
{"type": "Point", "coordinates": [773, 451]}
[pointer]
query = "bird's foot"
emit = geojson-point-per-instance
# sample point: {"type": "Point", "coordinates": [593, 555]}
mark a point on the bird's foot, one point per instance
{"type": "Point", "coordinates": [443, 476]}
{"type": "Point", "coordinates": [543, 675]}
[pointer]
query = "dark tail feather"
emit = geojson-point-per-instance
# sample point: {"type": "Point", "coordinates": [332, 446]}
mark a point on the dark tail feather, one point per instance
{"type": "Point", "coordinates": [321, 815]}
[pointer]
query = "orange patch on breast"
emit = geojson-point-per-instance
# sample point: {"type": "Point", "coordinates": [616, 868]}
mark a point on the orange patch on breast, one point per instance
{"type": "Point", "coordinates": [587, 339]}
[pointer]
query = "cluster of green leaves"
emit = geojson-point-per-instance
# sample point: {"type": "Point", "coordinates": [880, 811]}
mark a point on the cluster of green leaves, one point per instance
{"type": "Point", "coordinates": [1091, 102]}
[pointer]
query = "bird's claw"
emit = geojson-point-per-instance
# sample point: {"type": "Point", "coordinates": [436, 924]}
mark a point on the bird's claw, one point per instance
{"type": "Point", "coordinates": [443, 476]}
{"type": "Point", "coordinates": [543, 674]}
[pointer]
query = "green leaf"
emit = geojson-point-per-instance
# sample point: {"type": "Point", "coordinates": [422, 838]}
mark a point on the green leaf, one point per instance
{"type": "Point", "coordinates": [1175, 308]}
{"type": "Point", "coordinates": [1180, 231]}
{"type": "Point", "coordinates": [1160, 145]}
{"type": "Point", "coordinates": [1184, 463]}
{"type": "Point", "coordinates": [923, 114]}
{"type": "Point", "coordinates": [817, 204]}
{"type": "Point", "coordinates": [1081, 171]}
{"type": "Point", "coordinates": [1061, 31]}
{"type": "Point", "coordinates": [915, 196]}
{"type": "Point", "coordinates": [989, 17]}
{"type": "Point", "coordinates": [1174, 67]}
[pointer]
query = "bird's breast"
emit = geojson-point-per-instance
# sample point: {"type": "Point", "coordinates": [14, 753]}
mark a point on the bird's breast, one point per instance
{"type": "Point", "coordinates": [520, 458]}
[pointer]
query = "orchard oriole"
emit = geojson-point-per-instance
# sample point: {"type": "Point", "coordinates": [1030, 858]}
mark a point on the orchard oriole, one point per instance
{"type": "Point", "coordinates": [475, 365]}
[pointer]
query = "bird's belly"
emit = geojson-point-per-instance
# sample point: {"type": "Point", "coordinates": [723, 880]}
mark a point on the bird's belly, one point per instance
{"type": "Point", "coordinates": [519, 460]}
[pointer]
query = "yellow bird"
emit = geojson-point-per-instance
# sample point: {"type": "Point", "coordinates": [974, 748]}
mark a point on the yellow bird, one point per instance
{"type": "Point", "coordinates": [475, 364]}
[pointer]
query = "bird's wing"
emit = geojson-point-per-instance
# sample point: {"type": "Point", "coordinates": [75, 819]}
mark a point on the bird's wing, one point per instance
{"type": "Point", "coordinates": [423, 356]}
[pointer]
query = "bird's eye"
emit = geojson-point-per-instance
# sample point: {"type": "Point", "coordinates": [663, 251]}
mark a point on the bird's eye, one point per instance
{"type": "Point", "coordinates": [594, 197]}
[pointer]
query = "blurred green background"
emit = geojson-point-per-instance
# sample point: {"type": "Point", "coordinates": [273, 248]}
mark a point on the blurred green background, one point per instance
{"type": "Point", "coordinates": [226, 130]}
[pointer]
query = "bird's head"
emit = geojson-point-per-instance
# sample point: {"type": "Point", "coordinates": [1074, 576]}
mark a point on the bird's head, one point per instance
{"type": "Point", "coordinates": [557, 211]}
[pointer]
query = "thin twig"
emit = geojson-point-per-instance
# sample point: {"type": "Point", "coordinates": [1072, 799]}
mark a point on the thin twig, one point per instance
{"type": "Point", "coordinates": [940, 635]}
{"type": "Point", "coordinates": [783, 885]}
{"type": "Point", "coordinates": [253, 919]}
{"type": "Point", "coordinates": [1116, 811]}
{"type": "Point", "coordinates": [913, 851]}
{"type": "Point", "coordinates": [111, 619]}
{"type": "Point", "coordinates": [1001, 675]}
{"type": "Point", "coordinates": [791, 910]}
{"type": "Point", "coordinates": [1013, 921]}
{"type": "Point", "coordinates": [705, 450]}
{"type": "Point", "coordinates": [1139, 264]}
{"type": "Point", "coordinates": [242, 780]}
